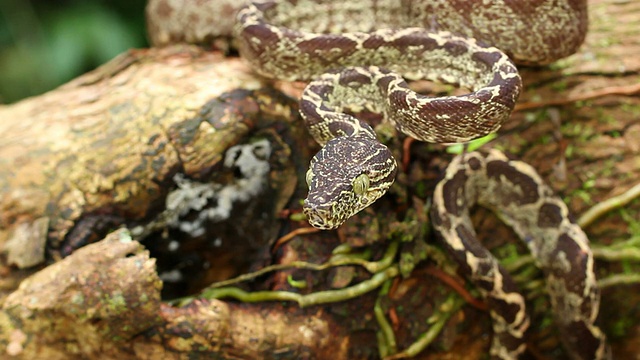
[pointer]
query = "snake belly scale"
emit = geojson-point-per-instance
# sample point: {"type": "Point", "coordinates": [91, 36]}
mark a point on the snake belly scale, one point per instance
{"type": "Point", "coordinates": [358, 54]}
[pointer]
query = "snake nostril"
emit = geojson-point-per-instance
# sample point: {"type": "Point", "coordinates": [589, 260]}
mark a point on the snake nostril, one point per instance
{"type": "Point", "coordinates": [319, 218]}
{"type": "Point", "coordinates": [316, 221]}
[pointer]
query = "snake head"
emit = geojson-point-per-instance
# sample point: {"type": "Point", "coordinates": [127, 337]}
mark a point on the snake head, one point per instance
{"type": "Point", "coordinates": [348, 174]}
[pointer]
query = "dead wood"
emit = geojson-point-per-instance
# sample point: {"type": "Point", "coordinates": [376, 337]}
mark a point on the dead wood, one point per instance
{"type": "Point", "coordinates": [109, 144]}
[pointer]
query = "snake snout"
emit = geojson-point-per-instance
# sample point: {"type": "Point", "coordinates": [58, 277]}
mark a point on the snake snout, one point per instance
{"type": "Point", "coordinates": [319, 218]}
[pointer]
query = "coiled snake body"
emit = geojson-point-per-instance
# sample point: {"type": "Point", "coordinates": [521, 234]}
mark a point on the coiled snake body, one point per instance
{"type": "Point", "coordinates": [354, 50]}
{"type": "Point", "coordinates": [515, 191]}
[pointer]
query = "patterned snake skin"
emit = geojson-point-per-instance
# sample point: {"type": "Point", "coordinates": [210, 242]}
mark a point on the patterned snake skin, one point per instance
{"type": "Point", "coordinates": [514, 190]}
{"type": "Point", "coordinates": [358, 53]}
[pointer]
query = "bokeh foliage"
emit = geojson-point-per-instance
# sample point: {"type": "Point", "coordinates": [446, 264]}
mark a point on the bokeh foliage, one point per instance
{"type": "Point", "coordinates": [44, 43]}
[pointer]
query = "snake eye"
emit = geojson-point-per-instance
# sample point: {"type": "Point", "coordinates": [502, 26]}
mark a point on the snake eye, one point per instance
{"type": "Point", "coordinates": [361, 184]}
{"type": "Point", "coordinates": [309, 177]}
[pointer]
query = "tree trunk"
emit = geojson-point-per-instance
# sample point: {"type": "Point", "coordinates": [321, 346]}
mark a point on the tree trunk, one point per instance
{"type": "Point", "coordinates": [113, 148]}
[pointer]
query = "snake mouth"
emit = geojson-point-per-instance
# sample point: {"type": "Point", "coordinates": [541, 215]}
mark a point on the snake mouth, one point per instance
{"type": "Point", "coordinates": [320, 219]}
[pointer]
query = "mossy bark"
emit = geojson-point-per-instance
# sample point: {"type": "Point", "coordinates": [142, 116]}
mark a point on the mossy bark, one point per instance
{"type": "Point", "coordinates": [109, 142]}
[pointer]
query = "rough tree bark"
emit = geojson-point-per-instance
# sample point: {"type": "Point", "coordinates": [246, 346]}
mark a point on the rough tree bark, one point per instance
{"type": "Point", "coordinates": [103, 151]}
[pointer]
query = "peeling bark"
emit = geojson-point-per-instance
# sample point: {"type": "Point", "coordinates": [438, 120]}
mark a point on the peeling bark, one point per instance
{"type": "Point", "coordinates": [108, 144]}
{"type": "Point", "coordinates": [103, 302]}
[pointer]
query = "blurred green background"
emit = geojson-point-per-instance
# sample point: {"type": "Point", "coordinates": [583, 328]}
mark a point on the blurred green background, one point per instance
{"type": "Point", "coordinates": [45, 43]}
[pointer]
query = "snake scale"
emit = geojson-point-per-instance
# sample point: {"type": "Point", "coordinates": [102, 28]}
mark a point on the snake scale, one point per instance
{"type": "Point", "coordinates": [358, 53]}
{"type": "Point", "coordinates": [515, 191]}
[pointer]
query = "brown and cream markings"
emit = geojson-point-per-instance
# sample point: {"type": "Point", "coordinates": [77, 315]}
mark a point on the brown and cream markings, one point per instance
{"type": "Point", "coordinates": [358, 53]}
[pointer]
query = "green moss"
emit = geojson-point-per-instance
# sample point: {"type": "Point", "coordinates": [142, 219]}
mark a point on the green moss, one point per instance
{"type": "Point", "coordinates": [560, 86]}
{"type": "Point", "coordinates": [608, 118]}
{"type": "Point", "coordinates": [116, 303]}
{"type": "Point", "coordinates": [421, 189]}
{"type": "Point", "coordinates": [407, 263]}
{"type": "Point", "coordinates": [559, 65]}
{"type": "Point", "coordinates": [631, 218]}
{"type": "Point", "coordinates": [585, 196]}
{"type": "Point", "coordinates": [508, 252]}
{"type": "Point", "coordinates": [182, 344]}
{"type": "Point", "coordinates": [78, 299]}
{"type": "Point", "coordinates": [577, 130]}
{"type": "Point", "coordinates": [570, 151]}
{"type": "Point", "coordinates": [546, 139]}
{"type": "Point", "coordinates": [621, 327]}
{"type": "Point", "coordinates": [589, 184]}
{"type": "Point", "coordinates": [631, 108]}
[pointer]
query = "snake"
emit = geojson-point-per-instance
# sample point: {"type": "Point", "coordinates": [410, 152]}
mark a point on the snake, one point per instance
{"type": "Point", "coordinates": [515, 191]}
{"type": "Point", "coordinates": [357, 56]}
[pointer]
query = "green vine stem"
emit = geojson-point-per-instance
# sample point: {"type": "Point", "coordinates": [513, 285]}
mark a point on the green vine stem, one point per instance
{"type": "Point", "coordinates": [450, 306]}
{"type": "Point", "coordinates": [320, 297]}
{"type": "Point", "coordinates": [604, 207]}
{"type": "Point", "coordinates": [386, 337]}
